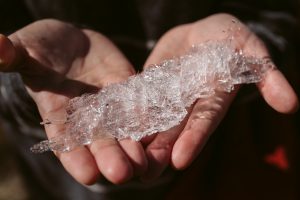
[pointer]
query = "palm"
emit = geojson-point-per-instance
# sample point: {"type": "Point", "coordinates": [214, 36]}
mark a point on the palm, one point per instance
{"type": "Point", "coordinates": [182, 144]}
{"type": "Point", "coordinates": [57, 62]}
{"type": "Point", "coordinates": [61, 57]}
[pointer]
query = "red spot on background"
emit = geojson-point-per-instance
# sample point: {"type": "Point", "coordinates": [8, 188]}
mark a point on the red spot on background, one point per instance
{"type": "Point", "coordinates": [278, 159]}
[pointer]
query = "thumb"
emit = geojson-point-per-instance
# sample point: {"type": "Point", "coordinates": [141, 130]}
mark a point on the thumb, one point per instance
{"type": "Point", "coordinates": [9, 55]}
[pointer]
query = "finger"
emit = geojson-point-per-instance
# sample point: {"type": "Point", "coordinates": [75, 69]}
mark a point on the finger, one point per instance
{"type": "Point", "coordinates": [275, 89]}
{"type": "Point", "coordinates": [117, 161]}
{"type": "Point", "coordinates": [278, 93]}
{"type": "Point", "coordinates": [145, 141]}
{"type": "Point", "coordinates": [135, 153]}
{"type": "Point", "coordinates": [159, 147]}
{"type": "Point", "coordinates": [8, 54]}
{"type": "Point", "coordinates": [204, 118]}
{"type": "Point", "coordinates": [111, 160]}
{"type": "Point", "coordinates": [158, 152]}
{"type": "Point", "coordinates": [79, 162]}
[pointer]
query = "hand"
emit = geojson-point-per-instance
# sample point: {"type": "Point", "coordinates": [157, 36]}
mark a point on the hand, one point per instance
{"type": "Point", "coordinates": [57, 62]}
{"type": "Point", "coordinates": [181, 145]}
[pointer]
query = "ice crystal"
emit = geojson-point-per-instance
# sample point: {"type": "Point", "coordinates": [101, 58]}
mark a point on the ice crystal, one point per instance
{"type": "Point", "coordinates": [156, 99]}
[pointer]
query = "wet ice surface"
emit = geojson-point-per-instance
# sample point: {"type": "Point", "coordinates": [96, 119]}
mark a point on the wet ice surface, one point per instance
{"type": "Point", "coordinates": [156, 99]}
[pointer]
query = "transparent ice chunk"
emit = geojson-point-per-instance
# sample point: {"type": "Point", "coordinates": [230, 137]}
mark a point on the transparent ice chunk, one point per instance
{"type": "Point", "coordinates": [156, 99]}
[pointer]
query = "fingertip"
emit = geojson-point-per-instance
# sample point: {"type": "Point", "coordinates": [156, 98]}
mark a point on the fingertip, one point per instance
{"type": "Point", "coordinates": [118, 173]}
{"type": "Point", "coordinates": [111, 160]}
{"type": "Point", "coordinates": [192, 139]}
{"type": "Point", "coordinates": [184, 152]}
{"type": "Point", "coordinates": [178, 160]}
{"type": "Point", "coordinates": [81, 165]}
{"type": "Point", "coordinates": [7, 53]}
{"type": "Point", "coordinates": [89, 180]}
{"type": "Point", "coordinates": [278, 93]}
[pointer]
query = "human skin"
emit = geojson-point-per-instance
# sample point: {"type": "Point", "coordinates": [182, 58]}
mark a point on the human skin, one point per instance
{"type": "Point", "coordinates": [182, 144]}
{"type": "Point", "coordinates": [58, 61]}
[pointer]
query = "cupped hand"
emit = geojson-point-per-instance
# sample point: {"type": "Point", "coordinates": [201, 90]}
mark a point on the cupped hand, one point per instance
{"type": "Point", "coordinates": [181, 145]}
{"type": "Point", "coordinates": [57, 62]}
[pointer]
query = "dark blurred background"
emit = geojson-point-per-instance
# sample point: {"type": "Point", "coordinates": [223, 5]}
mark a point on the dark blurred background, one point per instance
{"type": "Point", "coordinates": [11, 182]}
{"type": "Point", "coordinates": [254, 154]}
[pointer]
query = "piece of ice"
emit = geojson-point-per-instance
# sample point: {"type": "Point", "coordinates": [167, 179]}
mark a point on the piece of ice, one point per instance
{"type": "Point", "coordinates": [156, 99]}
